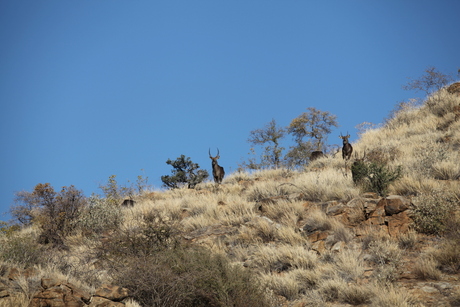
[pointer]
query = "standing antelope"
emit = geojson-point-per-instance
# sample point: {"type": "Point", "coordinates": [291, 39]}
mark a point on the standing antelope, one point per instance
{"type": "Point", "coordinates": [217, 170]}
{"type": "Point", "coordinates": [347, 149]}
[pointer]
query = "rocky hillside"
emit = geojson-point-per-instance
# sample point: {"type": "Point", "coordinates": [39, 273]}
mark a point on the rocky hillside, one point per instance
{"type": "Point", "coordinates": [320, 236]}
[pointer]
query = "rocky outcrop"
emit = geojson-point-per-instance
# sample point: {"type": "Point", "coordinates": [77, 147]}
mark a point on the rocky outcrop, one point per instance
{"type": "Point", "coordinates": [390, 215]}
{"type": "Point", "coordinates": [53, 292]}
{"type": "Point", "coordinates": [57, 293]}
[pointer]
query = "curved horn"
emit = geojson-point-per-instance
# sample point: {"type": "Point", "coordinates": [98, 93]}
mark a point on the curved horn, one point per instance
{"type": "Point", "coordinates": [209, 151]}
{"type": "Point", "coordinates": [218, 154]}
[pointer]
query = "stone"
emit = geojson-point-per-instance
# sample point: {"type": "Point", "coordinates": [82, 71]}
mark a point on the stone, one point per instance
{"type": "Point", "coordinates": [319, 247]}
{"type": "Point", "coordinates": [53, 297]}
{"type": "Point", "coordinates": [398, 224]}
{"type": "Point", "coordinates": [50, 282]}
{"type": "Point", "coordinates": [335, 210]}
{"type": "Point", "coordinates": [429, 289]}
{"type": "Point", "coordinates": [370, 195]}
{"type": "Point", "coordinates": [317, 236]}
{"type": "Point", "coordinates": [56, 293]}
{"type": "Point", "coordinates": [395, 204]}
{"type": "Point", "coordinates": [338, 247]}
{"type": "Point", "coordinates": [113, 293]}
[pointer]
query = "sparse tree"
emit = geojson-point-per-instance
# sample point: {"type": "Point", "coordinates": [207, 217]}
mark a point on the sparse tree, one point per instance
{"type": "Point", "coordinates": [55, 213]}
{"type": "Point", "coordinates": [185, 173]}
{"type": "Point", "coordinates": [310, 130]}
{"type": "Point", "coordinates": [430, 82]}
{"type": "Point", "coordinates": [270, 137]}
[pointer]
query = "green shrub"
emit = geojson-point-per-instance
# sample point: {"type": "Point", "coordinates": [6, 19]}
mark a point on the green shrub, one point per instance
{"type": "Point", "coordinates": [359, 171]}
{"type": "Point", "coordinates": [374, 177]}
{"type": "Point", "coordinates": [185, 173]}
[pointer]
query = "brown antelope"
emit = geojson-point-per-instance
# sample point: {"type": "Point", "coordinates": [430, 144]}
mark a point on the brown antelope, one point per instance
{"type": "Point", "coordinates": [316, 155]}
{"type": "Point", "coordinates": [217, 170]}
{"type": "Point", "coordinates": [347, 149]}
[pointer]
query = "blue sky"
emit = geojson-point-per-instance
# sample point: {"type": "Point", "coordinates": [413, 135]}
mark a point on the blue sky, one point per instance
{"type": "Point", "coordinates": [90, 89]}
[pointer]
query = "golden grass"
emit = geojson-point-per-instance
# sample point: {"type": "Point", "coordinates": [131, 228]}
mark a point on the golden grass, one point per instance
{"type": "Point", "coordinates": [265, 210]}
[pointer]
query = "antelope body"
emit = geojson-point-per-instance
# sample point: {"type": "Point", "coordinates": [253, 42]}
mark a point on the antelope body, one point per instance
{"type": "Point", "coordinates": [316, 155]}
{"type": "Point", "coordinates": [217, 170]}
{"type": "Point", "coordinates": [347, 149]}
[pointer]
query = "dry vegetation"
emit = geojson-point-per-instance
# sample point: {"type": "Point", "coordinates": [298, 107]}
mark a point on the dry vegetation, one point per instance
{"type": "Point", "coordinates": [188, 247]}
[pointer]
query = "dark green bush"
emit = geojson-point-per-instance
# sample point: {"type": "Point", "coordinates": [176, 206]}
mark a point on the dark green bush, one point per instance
{"type": "Point", "coordinates": [184, 173]}
{"type": "Point", "coordinates": [374, 177]}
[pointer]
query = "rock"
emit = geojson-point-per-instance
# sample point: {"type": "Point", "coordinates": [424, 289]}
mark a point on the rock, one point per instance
{"type": "Point", "coordinates": [395, 204]}
{"type": "Point", "coordinates": [398, 224]}
{"type": "Point", "coordinates": [429, 289]}
{"type": "Point", "coordinates": [319, 247]}
{"type": "Point", "coordinates": [317, 236]}
{"type": "Point", "coordinates": [53, 297]}
{"type": "Point", "coordinates": [370, 195]}
{"type": "Point", "coordinates": [113, 293]}
{"type": "Point", "coordinates": [50, 282]}
{"type": "Point", "coordinates": [338, 247]}
{"type": "Point", "coordinates": [335, 210]}
{"type": "Point", "coordinates": [58, 293]}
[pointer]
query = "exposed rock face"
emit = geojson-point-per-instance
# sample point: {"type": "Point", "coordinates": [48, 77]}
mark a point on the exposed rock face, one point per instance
{"type": "Point", "coordinates": [113, 293]}
{"type": "Point", "coordinates": [389, 215]}
{"type": "Point", "coordinates": [56, 293]}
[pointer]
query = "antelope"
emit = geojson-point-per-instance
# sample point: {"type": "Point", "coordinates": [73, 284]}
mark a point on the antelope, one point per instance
{"type": "Point", "coordinates": [316, 155]}
{"type": "Point", "coordinates": [217, 170]}
{"type": "Point", "coordinates": [347, 149]}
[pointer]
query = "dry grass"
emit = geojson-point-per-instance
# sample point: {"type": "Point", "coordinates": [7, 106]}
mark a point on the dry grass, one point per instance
{"type": "Point", "coordinates": [391, 297]}
{"type": "Point", "coordinates": [426, 269]}
{"type": "Point", "coordinates": [269, 214]}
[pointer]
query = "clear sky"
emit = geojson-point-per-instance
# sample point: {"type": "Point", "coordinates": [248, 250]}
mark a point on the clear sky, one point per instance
{"type": "Point", "coordinates": [90, 89]}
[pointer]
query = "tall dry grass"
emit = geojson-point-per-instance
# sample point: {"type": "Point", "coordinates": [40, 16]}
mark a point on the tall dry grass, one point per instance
{"type": "Point", "coordinates": [267, 216]}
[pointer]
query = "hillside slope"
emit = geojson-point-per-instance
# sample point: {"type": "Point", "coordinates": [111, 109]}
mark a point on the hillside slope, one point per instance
{"type": "Point", "coordinates": [309, 237]}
